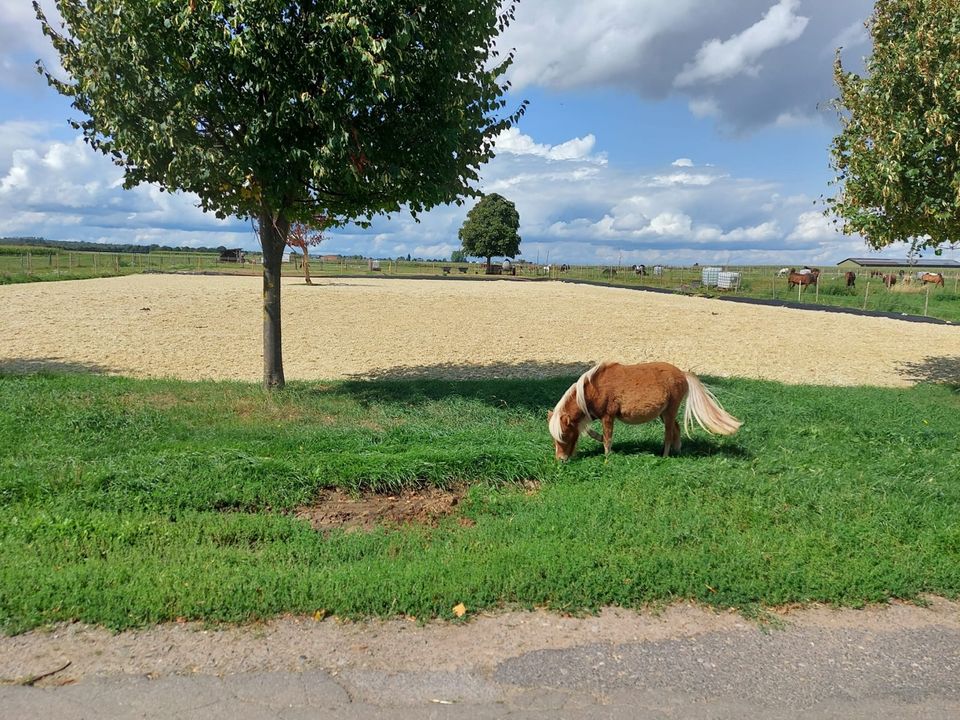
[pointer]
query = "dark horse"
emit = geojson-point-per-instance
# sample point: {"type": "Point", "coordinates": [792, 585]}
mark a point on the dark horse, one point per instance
{"type": "Point", "coordinates": [634, 394]}
{"type": "Point", "coordinates": [802, 278]}
{"type": "Point", "coordinates": [851, 278]}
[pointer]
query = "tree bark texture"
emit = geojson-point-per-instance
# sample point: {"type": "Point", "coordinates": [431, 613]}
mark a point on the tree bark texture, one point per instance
{"type": "Point", "coordinates": [273, 237]}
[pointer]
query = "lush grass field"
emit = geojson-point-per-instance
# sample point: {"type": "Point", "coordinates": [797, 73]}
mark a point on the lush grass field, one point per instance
{"type": "Point", "coordinates": [129, 502]}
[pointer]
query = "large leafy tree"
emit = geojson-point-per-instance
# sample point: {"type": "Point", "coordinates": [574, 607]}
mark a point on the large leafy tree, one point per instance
{"type": "Point", "coordinates": [491, 229]}
{"type": "Point", "coordinates": [283, 110]}
{"type": "Point", "coordinates": [897, 157]}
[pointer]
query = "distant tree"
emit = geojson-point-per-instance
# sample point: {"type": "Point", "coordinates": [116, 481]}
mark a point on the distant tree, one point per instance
{"type": "Point", "coordinates": [303, 236]}
{"type": "Point", "coordinates": [458, 256]}
{"type": "Point", "coordinates": [491, 229]}
{"type": "Point", "coordinates": [897, 157]}
{"type": "Point", "coordinates": [281, 110]}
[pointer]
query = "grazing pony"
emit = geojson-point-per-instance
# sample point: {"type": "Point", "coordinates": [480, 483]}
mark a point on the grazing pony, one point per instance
{"type": "Point", "coordinates": [851, 278]}
{"type": "Point", "coordinates": [634, 394]}
{"type": "Point", "coordinates": [889, 280]}
{"type": "Point", "coordinates": [935, 278]}
{"type": "Point", "coordinates": [808, 277]}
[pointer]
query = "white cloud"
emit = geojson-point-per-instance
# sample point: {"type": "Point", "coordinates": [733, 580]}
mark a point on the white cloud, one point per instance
{"type": "Point", "coordinates": [682, 162]}
{"type": "Point", "coordinates": [721, 59]}
{"type": "Point", "coordinates": [704, 107]}
{"type": "Point", "coordinates": [513, 141]}
{"type": "Point", "coordinates": [682, 178]}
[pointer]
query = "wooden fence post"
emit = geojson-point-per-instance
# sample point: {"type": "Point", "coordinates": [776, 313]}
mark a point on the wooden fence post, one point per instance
{"type": "Point", "coordinates": [926, 302]}
{"type": "Point", "coordinates": [866, 294]}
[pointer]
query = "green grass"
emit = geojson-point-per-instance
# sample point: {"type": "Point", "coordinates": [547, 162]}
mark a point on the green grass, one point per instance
{"type": "Point", "coordinates": [125, 502]}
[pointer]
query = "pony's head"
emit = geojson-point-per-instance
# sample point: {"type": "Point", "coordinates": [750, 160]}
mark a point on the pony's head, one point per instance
{"type": "Point", "coordinates": [565, 433]}
{"type": "Point", "coordinates": [568, 420]}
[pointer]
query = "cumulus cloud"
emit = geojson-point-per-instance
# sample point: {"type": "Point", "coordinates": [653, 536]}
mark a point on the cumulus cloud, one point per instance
{"type": "Point", "coordinates": [721, 59]}
{"type": "Point", "coordinates": [65, 190]}
{"type": "Point", "coordinates": [514, 142]}
{"type": "Point", "coordinates": [743, 62]}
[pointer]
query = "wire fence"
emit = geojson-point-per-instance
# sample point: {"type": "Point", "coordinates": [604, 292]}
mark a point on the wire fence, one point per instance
{"type": "Point", "coordinates": [890, 289]}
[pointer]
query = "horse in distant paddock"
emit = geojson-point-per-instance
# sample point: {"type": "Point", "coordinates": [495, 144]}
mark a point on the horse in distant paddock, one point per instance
{"type": "Point", "coordinates": [851, 278]}
{"type": "Point", "coordinates": [935, 278]}
{"type": "Point", "coordinates": [634, 394]}
{"type": "Point", "coordinates": [783, 272]}
{"type": "Point", "coordinates": [876, 273]}
{"type": "Point", "coordinates": [889, 280]}
{"type": "Point", "coordinates": [806, 277]}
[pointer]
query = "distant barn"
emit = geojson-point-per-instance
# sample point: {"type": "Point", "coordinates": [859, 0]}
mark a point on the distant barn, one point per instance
{"type": "Point", "coordinates": [235, 255]}
{"type": "Point", "coordinates": [899, 262]}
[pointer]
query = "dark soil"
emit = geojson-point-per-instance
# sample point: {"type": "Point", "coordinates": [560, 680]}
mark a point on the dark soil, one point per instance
{"type": "Point", "coordinates": [336, 509]}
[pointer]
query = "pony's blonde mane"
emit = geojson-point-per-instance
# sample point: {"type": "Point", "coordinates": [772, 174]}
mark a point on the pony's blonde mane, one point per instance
{"type": "Point", "coordinates": [556, 430]}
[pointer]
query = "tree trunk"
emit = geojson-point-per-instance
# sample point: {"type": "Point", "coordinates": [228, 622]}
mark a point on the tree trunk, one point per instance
{"type": "Point", "coordinates": [306, 267]}
{"type": "Point", "coordinates": [273, 237]}
{"type": "Point", "coordinates": [488, 264]}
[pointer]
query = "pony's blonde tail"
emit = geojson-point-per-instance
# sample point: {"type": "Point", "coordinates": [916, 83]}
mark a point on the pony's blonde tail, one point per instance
{"type": "Point", "coordinates": [703, 407]}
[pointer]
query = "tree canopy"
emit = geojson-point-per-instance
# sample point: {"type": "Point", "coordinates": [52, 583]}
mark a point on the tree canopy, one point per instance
{"type": "Point", "coordinates": [281, 110]}
{"type": "Point", "coordinates": [491, 229]}
{"type": "Point", "coordinates": [897, 157]}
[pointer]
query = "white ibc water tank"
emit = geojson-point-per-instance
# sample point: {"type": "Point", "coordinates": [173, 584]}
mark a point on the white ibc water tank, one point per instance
{"type": "Point", "coordinates": [710, 276]}
{"type": "Point", "coordinates": [728, 280]}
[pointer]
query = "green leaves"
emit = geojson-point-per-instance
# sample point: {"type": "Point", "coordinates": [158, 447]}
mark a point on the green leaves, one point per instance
{"type": "Point", "coordinates": [341, 107]}
{"type": "Point", "coordinates": [897, 158]}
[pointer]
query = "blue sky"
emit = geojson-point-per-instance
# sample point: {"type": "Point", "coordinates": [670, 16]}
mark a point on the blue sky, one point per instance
{"type": "Point", "coordinates": [680, 132]}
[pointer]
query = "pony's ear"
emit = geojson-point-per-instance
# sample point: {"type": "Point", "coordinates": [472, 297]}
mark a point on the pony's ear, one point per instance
{"type": "Point", "coordinates": [549, 414]}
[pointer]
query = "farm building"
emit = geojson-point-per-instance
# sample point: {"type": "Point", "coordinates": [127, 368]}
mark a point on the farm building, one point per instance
{"type": "Point", "coordinates": [899, 262]}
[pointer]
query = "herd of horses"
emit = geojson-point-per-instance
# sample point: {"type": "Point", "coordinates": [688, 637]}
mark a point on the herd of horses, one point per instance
{"type": "Point", "coordinates": [810, 276]}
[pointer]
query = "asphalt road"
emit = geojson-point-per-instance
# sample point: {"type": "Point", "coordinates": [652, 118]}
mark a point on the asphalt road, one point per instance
{"type": "Point", "coordinates": [848, 671]}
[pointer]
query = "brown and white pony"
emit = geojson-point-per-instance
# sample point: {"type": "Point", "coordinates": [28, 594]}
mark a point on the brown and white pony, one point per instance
{"type": "Point", "coordinates": [935, 278]}
{"type": "Point", "coordinates": [634, 394]}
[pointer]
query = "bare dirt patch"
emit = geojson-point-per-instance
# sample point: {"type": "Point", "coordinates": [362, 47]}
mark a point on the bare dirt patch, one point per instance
{"type": "Point", "coordinates": [336, 509]}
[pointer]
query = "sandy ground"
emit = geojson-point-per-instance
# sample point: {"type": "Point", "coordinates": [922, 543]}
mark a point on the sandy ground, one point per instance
{"type": "Point", "coordinates": [203, 327]}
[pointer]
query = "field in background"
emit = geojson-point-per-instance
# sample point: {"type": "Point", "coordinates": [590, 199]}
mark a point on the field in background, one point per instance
{"type": "Point", "coordinates": [28, 264]}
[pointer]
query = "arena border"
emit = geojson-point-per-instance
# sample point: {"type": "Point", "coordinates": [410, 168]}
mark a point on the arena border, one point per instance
{"type": "Point", "coordinates": [773, 303]}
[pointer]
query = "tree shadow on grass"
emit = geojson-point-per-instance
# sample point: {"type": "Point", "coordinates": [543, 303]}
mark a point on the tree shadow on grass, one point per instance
{"type": "Point", "coordinates": [48, 366]}
{"type": "Point", "coordinates": [933, 369]}
{"type": "Point", "coordinates": [528, 385]}
{"type": "Point", "coordinates": [692, 447]}
{"type": "Point", "coordinates": [523, 385]}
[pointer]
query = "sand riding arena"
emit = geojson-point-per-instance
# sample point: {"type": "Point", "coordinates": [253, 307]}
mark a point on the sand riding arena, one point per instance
{"type": "Point", "coordinates": [209, 327]}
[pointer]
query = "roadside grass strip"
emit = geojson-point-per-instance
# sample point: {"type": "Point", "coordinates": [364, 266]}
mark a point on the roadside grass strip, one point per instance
{"type": "Point", "coordinates": [126, 502]}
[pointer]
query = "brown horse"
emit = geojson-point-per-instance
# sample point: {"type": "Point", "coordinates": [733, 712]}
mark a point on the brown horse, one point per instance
{"type": "Point", "coordinates": [634, 394]}
{"type": "Point", "coordinates": [889, 280]}
{"type": "Point", "coordinates": [802, 278]}
{"type": "Point", "coordinates": [935, 278]}
{"type": "Point", "coordinates": [851, 278]}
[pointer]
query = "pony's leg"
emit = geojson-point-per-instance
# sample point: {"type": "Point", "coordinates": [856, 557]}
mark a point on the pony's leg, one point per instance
{"type": "Point", "coordinates": [595, 435]}
{"type": "Point", "coordinates": [607, 434]}
{"type": "Point", "coordinates": [671, 428]}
